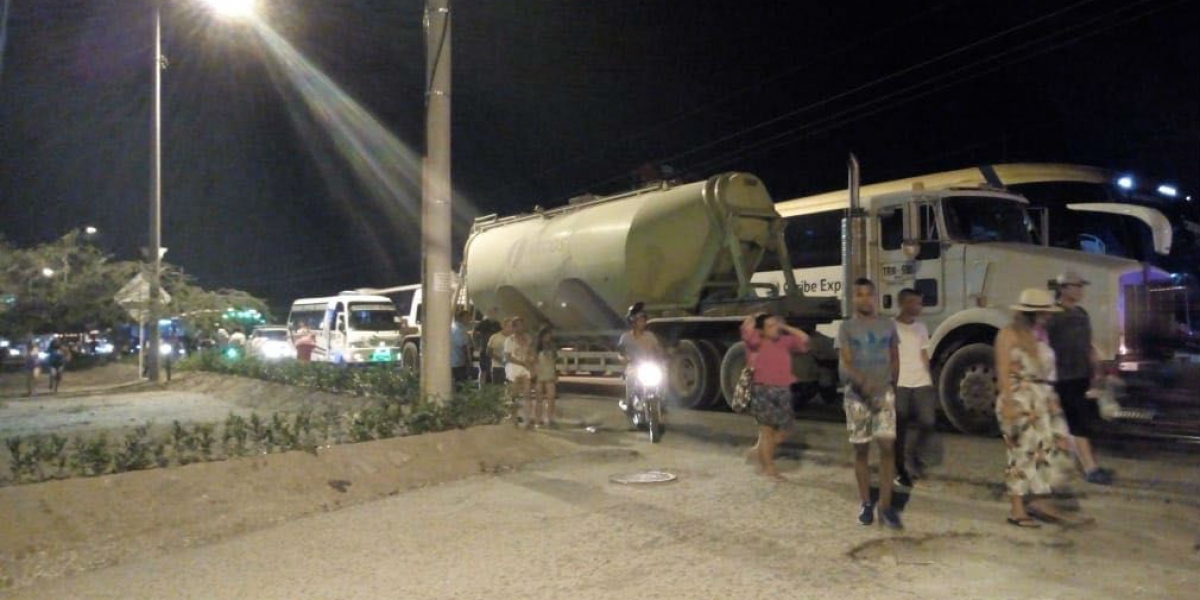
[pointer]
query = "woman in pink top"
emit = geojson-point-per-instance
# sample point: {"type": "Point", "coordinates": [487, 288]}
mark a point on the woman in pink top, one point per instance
{"type": "Point", "coordinates": [770, 344]}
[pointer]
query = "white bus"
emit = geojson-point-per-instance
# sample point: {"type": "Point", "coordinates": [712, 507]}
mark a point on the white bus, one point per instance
{"type": "Point", "coordinates": [350, 328]}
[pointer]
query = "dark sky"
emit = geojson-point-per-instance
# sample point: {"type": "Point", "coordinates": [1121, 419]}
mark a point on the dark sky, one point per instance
{"type": "Point", "coordinates": [553, 98]}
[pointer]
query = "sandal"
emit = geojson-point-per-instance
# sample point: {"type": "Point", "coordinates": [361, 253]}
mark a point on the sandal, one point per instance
{"type": "Point", "coordinates": [1024, 523]}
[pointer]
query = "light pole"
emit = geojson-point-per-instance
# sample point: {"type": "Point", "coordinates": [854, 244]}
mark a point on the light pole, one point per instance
{"type": "Point", "coordinates": [436, 277]}
{"type": "Point", "coordinates": [229, 9]}
{"type": "Point", "coordinates": [155, 198]}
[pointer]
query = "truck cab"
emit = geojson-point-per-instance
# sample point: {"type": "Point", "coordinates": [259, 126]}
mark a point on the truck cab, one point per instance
{"type": "Point", "coordinates": [970, 251]}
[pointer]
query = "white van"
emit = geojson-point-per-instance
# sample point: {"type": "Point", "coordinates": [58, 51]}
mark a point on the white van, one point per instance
{"type": "Point", "coordinates": [350, 328]}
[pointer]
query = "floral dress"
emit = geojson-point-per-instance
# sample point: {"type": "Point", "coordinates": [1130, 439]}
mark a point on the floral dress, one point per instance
{"type": "Point", "coordinates": [1037, 440]}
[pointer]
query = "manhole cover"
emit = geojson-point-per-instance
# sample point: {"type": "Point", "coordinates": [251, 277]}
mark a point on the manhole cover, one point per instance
{"type": "Point", "coordinates": [643, 477]}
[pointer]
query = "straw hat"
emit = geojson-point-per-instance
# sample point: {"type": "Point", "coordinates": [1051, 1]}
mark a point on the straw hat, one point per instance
{"type": "Point", "coordinates": [1035, 300]}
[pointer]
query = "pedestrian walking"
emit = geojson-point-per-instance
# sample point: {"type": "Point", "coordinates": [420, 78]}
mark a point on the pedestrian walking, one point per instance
{"type": "Point", "coordinates": [484, 331]}
{"type": "Point", "coordinates": [518, 369]}
{"type": "Point", "coordinates": [770, 343]}
{"type": "Point", "coordinates": [56, 363]}
{"type": "Point", "coordinates": [1030, 416]}
{"type": "Point", "coordinates": [494, 349]}
{"type": "Point", "coordinates": [32, 366]}
{"type": "Point", "coordinates": [915, 397]}
{"type": "Point", "coordinates": [460, 347]}
{"type": "Point", "coordinates": [869, 364]}
{"type": "Point", "coordinates": [545, 382]}
{"type": "Point", "coordinates": [1070, 332]}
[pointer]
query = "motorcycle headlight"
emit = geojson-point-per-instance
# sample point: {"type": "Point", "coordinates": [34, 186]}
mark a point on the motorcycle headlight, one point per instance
{"type": "Point", "coordinates": [650, 374]}
{"type": "Point", "coordinates": [165, 349]}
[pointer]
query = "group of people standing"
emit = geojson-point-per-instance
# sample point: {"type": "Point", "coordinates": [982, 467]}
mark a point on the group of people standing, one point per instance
{"type": "Point", "coordinates": [526, 365]}
{"type": "Point", "coordinates": [1045, 366]}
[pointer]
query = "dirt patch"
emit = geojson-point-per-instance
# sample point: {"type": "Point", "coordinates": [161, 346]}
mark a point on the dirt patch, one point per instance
{"type": "Point", "coordinates": [61, 527]}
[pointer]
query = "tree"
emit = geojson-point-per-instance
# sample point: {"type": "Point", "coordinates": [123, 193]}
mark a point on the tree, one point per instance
{"type": "Point", "coordinates": [69, 284]}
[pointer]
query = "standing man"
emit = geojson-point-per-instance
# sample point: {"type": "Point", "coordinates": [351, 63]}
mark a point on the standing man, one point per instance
{"type": "Point", "coordinates": [484, 331]}
{"type": "Point", "coordinates": [867, 349]}
{"type": "Point", "coordinates": [495, 351]}
{"type": "Point", "coordinates": [1070, 333]}
{"type": "Point", "coordinates": [460, 347]}
{"type": "Point", "coordinates": [914, 390]}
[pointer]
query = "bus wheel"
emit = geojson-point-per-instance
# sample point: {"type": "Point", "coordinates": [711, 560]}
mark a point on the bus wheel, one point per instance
{"type": "Point", "coordinates": [410, 358]}
{"type": "Point", "coordinates": [967, 383]}
{"type": "Point", "coordinates": [692, 375]}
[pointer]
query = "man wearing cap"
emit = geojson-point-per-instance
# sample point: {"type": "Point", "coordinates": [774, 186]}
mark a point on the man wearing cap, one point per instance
{"type": "Point", "coordinates": [1070, 333]}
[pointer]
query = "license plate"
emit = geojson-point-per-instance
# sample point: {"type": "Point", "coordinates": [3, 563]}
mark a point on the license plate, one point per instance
{"type": "Point", "coordinates": [383, 354]}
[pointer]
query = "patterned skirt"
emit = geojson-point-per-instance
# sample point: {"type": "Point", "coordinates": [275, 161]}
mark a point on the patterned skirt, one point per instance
{"type": "Point", "coordinates": [772, 406]}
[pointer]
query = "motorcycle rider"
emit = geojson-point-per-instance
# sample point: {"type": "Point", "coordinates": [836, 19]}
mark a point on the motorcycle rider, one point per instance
{"type": "Point", "coordinates": [635, 346]}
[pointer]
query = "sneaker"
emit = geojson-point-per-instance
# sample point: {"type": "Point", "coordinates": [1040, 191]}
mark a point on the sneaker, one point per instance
{"type": "Point", "coordinates": [889, 517]}
{"type": "Point", "coordinates": [623, 405]}
{"type": "Point", "coordinates": [866, 515]}
{"type": "Point", "coordinates": [903, 480]}
{"type": "Point", "coordinates": [1098, 477]}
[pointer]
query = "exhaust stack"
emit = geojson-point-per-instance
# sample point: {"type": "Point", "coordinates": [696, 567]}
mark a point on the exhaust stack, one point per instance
{"type": "Point", "coordinates": [854, 239]}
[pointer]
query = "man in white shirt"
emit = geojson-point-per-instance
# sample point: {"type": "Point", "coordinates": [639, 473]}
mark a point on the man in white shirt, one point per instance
{"type": "Point", "coordinates": [915, 396]}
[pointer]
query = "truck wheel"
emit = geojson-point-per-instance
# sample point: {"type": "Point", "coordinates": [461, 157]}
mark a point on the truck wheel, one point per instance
{"type": "Point", "coordinates": [693, 374]}
{"type": "Point", "coordinates": [731, 368]}
{"type": "Point", "coordinates": [968, 389]}
{"type": "Point", "coordinates": [410, 359]}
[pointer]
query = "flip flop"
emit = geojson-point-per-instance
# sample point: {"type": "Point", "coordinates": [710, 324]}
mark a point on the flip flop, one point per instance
{"type": "Point", "coordinates": [1024, 523]}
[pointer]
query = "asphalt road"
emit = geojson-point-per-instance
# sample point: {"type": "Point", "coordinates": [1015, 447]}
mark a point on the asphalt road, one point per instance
{"type": "Point", "coordinates": [559, 528]}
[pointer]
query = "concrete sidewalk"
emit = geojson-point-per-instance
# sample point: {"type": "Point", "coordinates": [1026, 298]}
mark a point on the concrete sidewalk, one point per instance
{"type": "Point", "coordinates": [1156, 472]}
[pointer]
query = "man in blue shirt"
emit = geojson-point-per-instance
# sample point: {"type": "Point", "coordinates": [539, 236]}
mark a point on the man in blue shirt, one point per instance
{"type": "Point", "coordinates": [460, 347]}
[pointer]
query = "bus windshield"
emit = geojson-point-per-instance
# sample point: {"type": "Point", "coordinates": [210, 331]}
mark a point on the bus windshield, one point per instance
{"type": "Point", "coordinates": [373, 317]}
{"type": "Point", "coordinates": [986, 219]}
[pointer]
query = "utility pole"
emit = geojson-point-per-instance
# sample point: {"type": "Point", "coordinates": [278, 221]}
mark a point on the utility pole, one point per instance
{"type": "Point", "coordinates": [155, 257]}
{"type": "Point", "coordinates": [436, 277]}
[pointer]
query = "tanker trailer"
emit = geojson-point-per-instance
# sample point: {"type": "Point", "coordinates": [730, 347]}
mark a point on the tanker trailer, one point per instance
{"type": "Point", "coordinates": [687, 251]}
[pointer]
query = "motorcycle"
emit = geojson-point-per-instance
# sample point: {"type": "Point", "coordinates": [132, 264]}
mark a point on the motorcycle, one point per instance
{"type": "Point", "coordinates": [645, 405]}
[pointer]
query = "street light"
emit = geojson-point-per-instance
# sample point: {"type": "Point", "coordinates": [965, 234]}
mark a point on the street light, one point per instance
{"type": "Point", "coordinates": [229, 9]}
{"type": "Point", "coordinates": [232, 9]}
{"type": "Point", "coordinates": [47, 272]}
{"type": "Point", "coordinates": [90, 230]}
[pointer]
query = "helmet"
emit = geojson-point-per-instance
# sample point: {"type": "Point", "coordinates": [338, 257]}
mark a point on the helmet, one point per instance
{"type": "Point", "coordinates": [638, 309]}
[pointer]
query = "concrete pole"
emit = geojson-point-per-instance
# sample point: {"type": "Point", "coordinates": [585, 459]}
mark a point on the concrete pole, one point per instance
{"type": "Point", "coordinates": [436, 276]}
{"type": "Point", "coordinates": [155, 205]}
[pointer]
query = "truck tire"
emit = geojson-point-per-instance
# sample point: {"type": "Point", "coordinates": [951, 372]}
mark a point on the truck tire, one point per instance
{"type": "Point", "coordinates": [410, 358]}
{"type": "Point", "coordinates": [731, 368]}
{"type": "Point", "coordinates": [693, 374]}
{"type": "Point", "coordinates": [967, 385]}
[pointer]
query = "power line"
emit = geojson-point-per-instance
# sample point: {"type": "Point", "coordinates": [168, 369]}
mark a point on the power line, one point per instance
{"type": "Point", "coordinates": [858, 88]}
{"type": "Point", "coordinates": [832, 122]}
{"type": "Point", "coordinates": [706, 107]}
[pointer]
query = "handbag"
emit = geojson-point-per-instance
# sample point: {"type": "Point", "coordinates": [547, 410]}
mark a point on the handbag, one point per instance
{"type": "Point", "coordinates": [741, 394]}
{"type": "Point", "coordinates": [745, 385]}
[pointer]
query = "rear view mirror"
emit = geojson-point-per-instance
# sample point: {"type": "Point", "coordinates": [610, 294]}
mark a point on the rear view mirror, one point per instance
{"type": "Point", "coordinates": [911, 245]}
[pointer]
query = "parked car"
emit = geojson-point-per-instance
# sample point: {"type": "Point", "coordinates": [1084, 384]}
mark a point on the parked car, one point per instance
{"type": "Point", "coordinates": [271, 342]}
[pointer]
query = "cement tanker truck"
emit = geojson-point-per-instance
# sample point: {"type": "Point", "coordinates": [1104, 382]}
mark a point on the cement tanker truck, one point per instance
{"type": "Point", "coordinates": [689, 252]}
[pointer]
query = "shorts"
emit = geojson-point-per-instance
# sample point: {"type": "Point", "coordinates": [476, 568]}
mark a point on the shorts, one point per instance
{"type": "Point", "coordinates": [866, 424]}
{"type": "Point", "coordinates": [515, 372]}
{"type": "Point", "coordinates": [1080, 412]}
{"type": "Point", "coordinates": [772, 406]}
